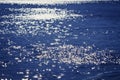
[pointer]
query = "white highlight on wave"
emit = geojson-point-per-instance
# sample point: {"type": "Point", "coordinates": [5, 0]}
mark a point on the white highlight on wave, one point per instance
{"type": "Point", "coordinates": [47, 1]}
{"type": "Point", "coordinates": [42, 14]}
{"type": "Point", "coordinates": [39, 19]}
{"type": "Point", "coordinates": [45, 14]}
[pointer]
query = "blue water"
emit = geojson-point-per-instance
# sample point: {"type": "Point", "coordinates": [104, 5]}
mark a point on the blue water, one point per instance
{"type": "Point", "coordinates": [84, 47]}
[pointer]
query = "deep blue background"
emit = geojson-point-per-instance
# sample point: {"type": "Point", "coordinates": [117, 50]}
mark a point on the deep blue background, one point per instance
{"type": "Point", "coordinates": [99, 18]}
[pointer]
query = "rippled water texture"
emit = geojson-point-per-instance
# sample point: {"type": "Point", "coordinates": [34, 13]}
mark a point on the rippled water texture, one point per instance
{"type": "Point", "coordinates": [60, 42]}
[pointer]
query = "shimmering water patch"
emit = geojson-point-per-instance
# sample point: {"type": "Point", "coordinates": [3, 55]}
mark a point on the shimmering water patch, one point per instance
{"type": "Point", "coordinates": [66, 46]}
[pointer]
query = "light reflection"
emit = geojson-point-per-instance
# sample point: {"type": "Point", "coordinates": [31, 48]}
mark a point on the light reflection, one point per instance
{"type": "Point", "coordinates": [39, 22]}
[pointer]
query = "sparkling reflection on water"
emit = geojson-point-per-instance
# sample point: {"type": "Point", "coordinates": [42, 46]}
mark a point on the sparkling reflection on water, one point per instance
{"type": "Point", "coordinates": [45, 44]}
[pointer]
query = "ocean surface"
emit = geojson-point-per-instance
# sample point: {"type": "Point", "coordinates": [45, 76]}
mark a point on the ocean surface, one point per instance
{"type": "Point", "coordinates": [77, 41]}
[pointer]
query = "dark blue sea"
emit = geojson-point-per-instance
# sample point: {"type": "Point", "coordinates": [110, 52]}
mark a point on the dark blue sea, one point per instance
{"type": "Point", "coordinates": [75, 41]}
